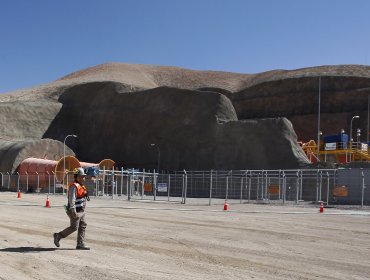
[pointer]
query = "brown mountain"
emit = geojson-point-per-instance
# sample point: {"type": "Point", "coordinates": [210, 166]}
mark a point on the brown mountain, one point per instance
{"type": "Point", "coordinates": [198, 119]}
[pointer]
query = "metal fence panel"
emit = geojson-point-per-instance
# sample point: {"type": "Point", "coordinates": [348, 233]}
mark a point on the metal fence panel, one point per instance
{"type": "Point", "coordinates": [277, 186]}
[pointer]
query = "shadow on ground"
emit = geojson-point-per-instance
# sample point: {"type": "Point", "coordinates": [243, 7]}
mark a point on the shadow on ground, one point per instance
{"type": "Point", "coordinates": [30, 249]}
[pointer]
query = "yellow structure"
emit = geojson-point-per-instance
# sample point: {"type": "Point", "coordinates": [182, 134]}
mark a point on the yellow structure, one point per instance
{"type": "Point", "coordinates": [332, 152]}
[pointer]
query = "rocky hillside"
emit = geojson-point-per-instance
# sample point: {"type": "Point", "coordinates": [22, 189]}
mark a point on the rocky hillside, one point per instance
{"type": "Point", "coordinates": [198, 119]}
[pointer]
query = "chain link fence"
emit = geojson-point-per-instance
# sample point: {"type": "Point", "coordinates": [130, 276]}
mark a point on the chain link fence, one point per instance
{"type": "Point", "coordinates": [346, 186]}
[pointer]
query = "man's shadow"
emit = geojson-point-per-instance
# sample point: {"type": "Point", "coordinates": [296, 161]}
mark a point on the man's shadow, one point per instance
{"type": "Point", "coordinates": [31, 249]}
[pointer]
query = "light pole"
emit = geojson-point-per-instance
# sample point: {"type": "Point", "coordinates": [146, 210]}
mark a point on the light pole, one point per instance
{"type": "Point", "coordinates": [358, 138]}
{"type": "Point", "coordinates": [318, 121]}
{"type": "Point", "coordinates": [64, 152]}
{"type": "Point", "coordinates": [350, 138]}
{"type": "Point", "coordinates": [159, 155]}
{"type": "Point", "coordinates": [368, 116]}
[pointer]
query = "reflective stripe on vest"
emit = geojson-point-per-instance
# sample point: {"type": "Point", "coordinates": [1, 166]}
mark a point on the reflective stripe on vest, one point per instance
{"type": "Point", "coordinates": [80, 196]}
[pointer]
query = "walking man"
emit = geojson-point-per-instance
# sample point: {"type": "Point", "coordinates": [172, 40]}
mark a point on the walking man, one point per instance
{"type": "Point", "coordinates": [77, 196]}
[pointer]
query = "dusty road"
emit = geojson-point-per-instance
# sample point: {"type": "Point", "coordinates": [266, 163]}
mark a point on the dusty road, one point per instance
{"type": "Point", "coordinates": [138, 240]}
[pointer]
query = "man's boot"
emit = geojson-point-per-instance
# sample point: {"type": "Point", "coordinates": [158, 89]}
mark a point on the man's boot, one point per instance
{"type": "Point", "coordinates": [56, 239]}
{"type": "Point", "coordinates": [82, 247]}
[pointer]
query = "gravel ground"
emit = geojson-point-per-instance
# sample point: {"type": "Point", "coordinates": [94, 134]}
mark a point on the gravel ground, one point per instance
{"type": "Point", "coordinates": [168, 240]}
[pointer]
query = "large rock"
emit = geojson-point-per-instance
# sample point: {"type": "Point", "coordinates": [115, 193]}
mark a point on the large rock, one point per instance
{"type": "Point", "coordinates": [12, 153]}
{"type": "Point", "coordinates": [198, 119]}
{"type": "Point", "coordinates": [192, 129]}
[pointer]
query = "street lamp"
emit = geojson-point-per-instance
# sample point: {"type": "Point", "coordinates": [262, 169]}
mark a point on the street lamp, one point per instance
{"type": "Point", "coordinates": [358, 137]}
{"type": "Point", "coordinates": [159, 155]}
{"type": "Point", "coordinates": [341, 144]}
{"type": "Point", "coordinates": [350, 137]}
{"type": "Point", "coordinates": [318, 121]}
{"type": "Point", "coordinates": [368, 116]}
{"type": "Point", "coordinates": [64, 152]}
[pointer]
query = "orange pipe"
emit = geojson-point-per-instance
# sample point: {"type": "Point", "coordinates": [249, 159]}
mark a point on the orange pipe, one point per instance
{"type": "Point", "coordinates": [39, 169]}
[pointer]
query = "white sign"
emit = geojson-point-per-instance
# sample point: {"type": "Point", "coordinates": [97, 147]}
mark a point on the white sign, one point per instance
{"type": "Point", "coordinates": [162, 187]}
{"type": "Point", "coordinates": [330, 146]}
{"type": "Point", "coordinates": [363, 147]}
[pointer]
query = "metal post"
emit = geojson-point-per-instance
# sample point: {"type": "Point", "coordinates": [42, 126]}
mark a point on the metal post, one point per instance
{"type": "Point", "coordinates": [53, 181]}
{"type": "Point", "coordinates": [103, 182]}
{"type": "Point", "coordinates": [297, 187]}
{"type": "Point", "coordinates": [279, 184]}
{"type": "Point", "coordinates": [17, 182]}
{"type": "Point", "coordinates": [227, 186]}
{"type": "Point", "coordinates": [258, 185]}
{"type": "Point", "coordinates": [327, 189]}
{"type": "Point", "coordinates": [155, 178]}
{"type": "Point", "coordinates": [113, 183]}
{"type": "Point", "coordinates": [168, 187]}
{"type": "Point", "coordinates": [363, 189]}
{"type": "Point", "coordinates": [26, 182]}
{"type": "Point", "coordinates": [320, 186]}
{"type": "Point", "coordinates": [241, 190]}
{"type": "Point", "coordinates": [127, 186]}
{"type": "Point", "coordinates": [97, 183]}
{"type": "Point", "coordinates": [284, 187]}
{"type": "Point", "coordinates": [249, 187]}
{"type": "Point", "coordinates": [121, 185]}
{"type": "Point", "coordinates": [49, 181]}
{"type": "Point", "coordinates": [184, 187]}
{"type": "Point", "coordinates": [262, 184]}
{"type": "Point", "coordinates": [266, 185]}
{"type": "Point", "coordinates": [301, 185]}
{"type": "Point", "coordinates": [38, 183]}
{"type": "Point", "coordinates": [210, 190]}
{"type": "Point", "coordinates": [317, 185]}
{"type": "Point", "coordinates": [142, 185]}
{"type": "Point", "coordinates": [8, 180]}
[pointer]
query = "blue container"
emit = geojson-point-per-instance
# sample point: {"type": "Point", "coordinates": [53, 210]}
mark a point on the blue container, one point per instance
{"type": "Point", "coordinates": [92, 171]}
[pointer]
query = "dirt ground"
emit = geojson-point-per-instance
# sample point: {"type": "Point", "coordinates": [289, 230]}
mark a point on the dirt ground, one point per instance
{"type": "Point", "coordinates": [166, 240]}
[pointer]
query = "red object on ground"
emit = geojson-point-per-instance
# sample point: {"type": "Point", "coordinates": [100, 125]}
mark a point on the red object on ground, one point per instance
{"type": "Point", "coordinates": [47, 205]}
{"type": "Point", "coordinates": [321, 207]}
{"type": "Point", "coordinates": [226, 206]}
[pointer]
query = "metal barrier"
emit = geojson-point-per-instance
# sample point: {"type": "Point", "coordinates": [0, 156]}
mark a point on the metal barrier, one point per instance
{"type": "Point", "coordinates": [243, 186]}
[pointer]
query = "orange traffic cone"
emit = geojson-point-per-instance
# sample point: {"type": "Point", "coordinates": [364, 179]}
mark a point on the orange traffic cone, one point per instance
{"type": "Point", "coordinates": [322, 207]}
{"type": "Point", "coordinates": [19, 194]}
{"type": "Point", "coordinates": [226, 206]}
{"type": "Point", "coordinates": [47, 205]}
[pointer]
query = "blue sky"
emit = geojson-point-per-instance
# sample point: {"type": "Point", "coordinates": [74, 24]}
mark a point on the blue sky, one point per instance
{"type": "Point", "coordinates": [43, 40]}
